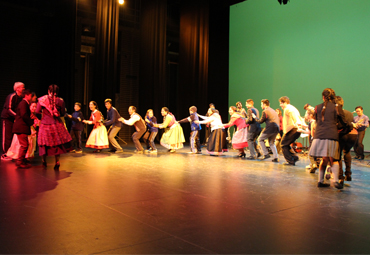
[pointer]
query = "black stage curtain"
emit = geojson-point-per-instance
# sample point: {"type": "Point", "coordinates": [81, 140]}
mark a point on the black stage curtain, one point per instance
{"type": "Point", "coordinates": [105, 75]}
{"type": "Point", "coordinates": [193, 59]}
{"type": "Point", "coordinates": [153, 89]}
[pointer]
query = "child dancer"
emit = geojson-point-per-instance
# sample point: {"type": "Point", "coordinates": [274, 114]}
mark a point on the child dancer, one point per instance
{"type": "Point", "coordinates": [195, 129]}
{"type": "Point", "coordinates": [98, 138]}
{"type": "Point", "coordinates": [14, 148]}
{"type": "Point", "coordinates": [77, 127]}
{"type": "Point", "coordinates": [151, 132]}
{"type": "Point", "coordinates": [53, 138]}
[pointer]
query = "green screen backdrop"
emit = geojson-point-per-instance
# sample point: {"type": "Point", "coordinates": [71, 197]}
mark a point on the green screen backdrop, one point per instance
{"type": "Point", "coordinates": [298, 50]}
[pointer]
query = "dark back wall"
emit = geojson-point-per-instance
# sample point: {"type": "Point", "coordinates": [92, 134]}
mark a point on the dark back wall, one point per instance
{"type": "Point", "coordinates": [41, 45]}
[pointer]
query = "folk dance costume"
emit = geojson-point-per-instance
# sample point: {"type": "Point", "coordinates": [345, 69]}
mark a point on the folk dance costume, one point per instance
{"type": "Point", "coordinates": [13, 151]}
{"type": "Point", "coordinates": [98, 138]}
{"type": "Point", "coordinates": [239, 140]}
{"type": "Point", "coordinates": [53, 138]}
{"type": "Point", "coordinates": [217, 140]}
{"type": "Point", "coordinates": [173, 136]}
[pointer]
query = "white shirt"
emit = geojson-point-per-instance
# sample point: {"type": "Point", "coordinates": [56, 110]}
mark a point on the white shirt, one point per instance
{"type": "Point", "coordinates": [133, 118]}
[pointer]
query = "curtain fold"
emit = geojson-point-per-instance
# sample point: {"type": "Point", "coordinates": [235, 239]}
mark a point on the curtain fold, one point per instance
{"type": "Point", "coordinates": [194, 51]}
{"type": "Point", "coordinates": [105, 75]}
{"type": "Point", "coordinates": [153, 87]}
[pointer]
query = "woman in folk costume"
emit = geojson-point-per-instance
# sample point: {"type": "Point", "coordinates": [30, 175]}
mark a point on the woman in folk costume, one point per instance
{"type": "Point", "coordinates": [217, 140]}
{"type": "Point", "coordinates": [239, 140]}
{"type": "Point", "coordinates": [173, 136]}
{"type": "Point", "coordinates": [14, 148]}
{"type": "Point", "coordinates": [98, 138]}
{"type": "Point", "coordinates": [53, 138]}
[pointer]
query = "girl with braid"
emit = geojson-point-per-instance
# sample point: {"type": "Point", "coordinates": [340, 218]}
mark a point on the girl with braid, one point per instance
{"type": "Point", "coordinates": [325, 142]}
{"type": "Point", "coordinates": [53, 138]}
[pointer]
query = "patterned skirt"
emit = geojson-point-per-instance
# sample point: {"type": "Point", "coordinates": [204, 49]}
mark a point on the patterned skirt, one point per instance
{"type": "Point", "coordinates": [173, 137]}
{"type": "Point", "coordinates": [53, 139]}
{"type": "Point", "coordinates": [325, 148]}
{"type": "Point", "coordinates": [239, 140]}
{"type": "Point", "coordinates": [217, 142]}
{"type": "Point", "coordinates": [98, 138]}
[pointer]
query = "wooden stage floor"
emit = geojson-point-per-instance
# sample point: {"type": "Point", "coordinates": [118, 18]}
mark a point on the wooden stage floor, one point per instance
{"type": "Point", "coordinates": [176, 203]}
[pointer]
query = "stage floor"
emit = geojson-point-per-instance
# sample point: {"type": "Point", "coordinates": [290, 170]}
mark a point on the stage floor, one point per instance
{"type": "Point", "coordinates": [179, 203]}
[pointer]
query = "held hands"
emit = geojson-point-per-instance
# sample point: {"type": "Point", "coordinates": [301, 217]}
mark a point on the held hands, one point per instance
{"type": "Point", "coordinates": [254, 115]}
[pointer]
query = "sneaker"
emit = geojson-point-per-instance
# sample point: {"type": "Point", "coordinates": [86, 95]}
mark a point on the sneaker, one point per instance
{"type": "Point", "coordinates": [191, 152]}
{"type": "Point", "coordinates": [5, 157]}
{"type": "Point", "coordinates": [79, 151]}
{"type": "Point", "coordinates": [119, 151]}
{"type": "Point", "coordinates": [72, 151]}
{"type": "Point", "coordinates": [153, 151]}
{"type": "Point", "coordinates": [139, 152]}
{"type": "Point", "coordinates": [308, 166]}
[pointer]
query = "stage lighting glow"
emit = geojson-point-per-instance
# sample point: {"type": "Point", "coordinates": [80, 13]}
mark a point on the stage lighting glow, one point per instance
{"type": "Point", "coordinates": [121, 1]}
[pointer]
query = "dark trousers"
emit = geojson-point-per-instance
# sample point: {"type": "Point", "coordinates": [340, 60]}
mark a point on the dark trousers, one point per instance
{"type": "Point", "coordinates": [252, 145]}
{"type": "Point", "coordinates": [7, 134]}
{"type": "Point", "coordinates": [194, 141]}
{"type": "Point", "coordinates": [346, 143]}
{"type": "Point", "coordinates": [359, 147]}
{"type": "Point", "coordinates": [136, 139]}
{"type": "Point", "coordinates": [288, 139]}
{"type": "Point", "coordinates": [23, 147]}
{"type": "Point", "coordinates": [76, 138]}
{"type": "Point", "coordinates": [149, 139]}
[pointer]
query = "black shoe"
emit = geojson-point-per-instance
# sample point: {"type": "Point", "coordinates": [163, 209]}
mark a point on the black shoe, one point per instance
{"type": "Point", "coordinates": [56, 167]}
{"type": "Point", "coordinates": [251, 158]}
{"type": "Point", "coordinates": [112, 150]}
{"type": "Point", "coordinates": [44, 163]}
{"type": "Point", "coordinates": [24, 165]}
{"type": "Point", "coordinates": [241, 155]}
{"type": "Point", "coordinates": [348, 178]}
{"type": "Point", "coordinates": [276, 160]}
{"type": "Point", "coordinates": [289, 164]}
{"type": "Point", "coordinates": [338, 185]}
{"type": "Point", "coordinates": [313, 170]}
{"type": "Point", "coordinates": [323, 185]}
{"type": "Point", "coordinates": [296, 159]}
{"type": "Point", "coordinates": [258, 155]}
{"type": "Point", "coordinates": [96, 151]}
{"type": "Point", "coordinates": [265, 157]}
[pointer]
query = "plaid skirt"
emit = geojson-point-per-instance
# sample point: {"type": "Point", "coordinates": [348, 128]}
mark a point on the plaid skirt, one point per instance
{"type": "Point", "coordinates": [325, 148]}
{"type": "Point", "coordinates": [53, 135]}
{"type": "Point", "coordinates": [53, 139]}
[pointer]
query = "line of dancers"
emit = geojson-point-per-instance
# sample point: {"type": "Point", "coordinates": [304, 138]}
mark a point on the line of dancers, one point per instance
{"type": "Point", "coordinates": [331, 129]}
